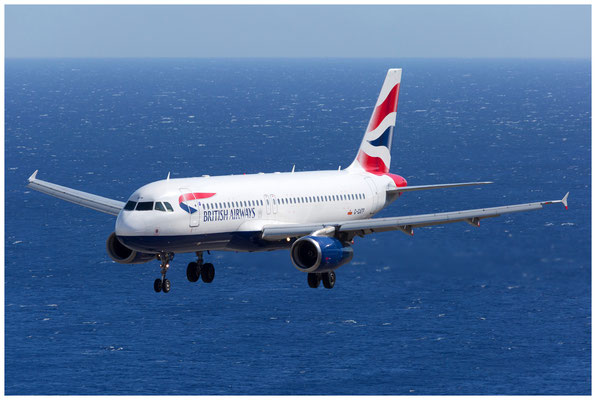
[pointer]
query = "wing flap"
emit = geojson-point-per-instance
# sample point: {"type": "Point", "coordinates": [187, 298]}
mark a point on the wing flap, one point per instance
{"type": "Point", "coordinates": [419, 221]}
{"type": "Point", "coordinates": [84, 199]}
{"type": "Point", "coordinates": [406, 224]}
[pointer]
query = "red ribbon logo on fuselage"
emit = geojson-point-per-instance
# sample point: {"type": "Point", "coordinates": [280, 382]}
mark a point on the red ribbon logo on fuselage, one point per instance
{"type": "Point", "coordinates": [191, 199]}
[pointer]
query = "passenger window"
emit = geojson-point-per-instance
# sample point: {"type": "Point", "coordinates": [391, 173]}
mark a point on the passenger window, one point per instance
{"type": "Point", "coordinates": [145, 206]}
{"type": "Point", "coordinates": [130, 205]}
{"type": "Point", "coordinates": [168, 206]}
{"type": "Point", "coordinates": [159, 206]}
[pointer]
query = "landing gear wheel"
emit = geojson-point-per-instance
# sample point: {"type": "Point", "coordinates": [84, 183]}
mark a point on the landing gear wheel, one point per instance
{"type": "Point", "coordinates": [165, 286]}
{"type": "Point", "coordinates": [193, 271]}
{"type": "Point", "coordinates": [207, 273]}
{"type": "Point", "coordinates": [314, 279]}
{"type": "Point", "coordinates": [329, 279]}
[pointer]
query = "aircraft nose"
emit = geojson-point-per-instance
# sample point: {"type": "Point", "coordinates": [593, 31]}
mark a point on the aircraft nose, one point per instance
{"type": "Point", "coordinates": [129, 223]}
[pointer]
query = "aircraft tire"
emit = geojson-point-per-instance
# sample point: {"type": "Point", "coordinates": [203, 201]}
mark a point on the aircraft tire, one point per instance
{"type": "Point", "coordinates": [207, 273]}
{"type": "Point", "coordinates": [314, 280]}
{"type": "Point", "coordinates": [193, 271]}
{"type": "Point", "coordinates": [329, 279]}
{"type": "Point", "coordinates": [166, 286]}
{"type": "Point", "coordinates": [157, 285]}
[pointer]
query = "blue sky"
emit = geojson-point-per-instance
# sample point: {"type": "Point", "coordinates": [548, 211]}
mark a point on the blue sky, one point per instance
{"type": "Point", "coordinates": [298, 31]}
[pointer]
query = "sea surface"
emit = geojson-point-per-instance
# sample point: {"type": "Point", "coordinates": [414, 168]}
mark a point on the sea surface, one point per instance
{"type": "Point", "coordinates": [500, 309]}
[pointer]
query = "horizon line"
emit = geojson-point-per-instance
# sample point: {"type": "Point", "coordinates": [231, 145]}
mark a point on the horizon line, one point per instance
{"type": "Point", "coordinates": [295, 57]}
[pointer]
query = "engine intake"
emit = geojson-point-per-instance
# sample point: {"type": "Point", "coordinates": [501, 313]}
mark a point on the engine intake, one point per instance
{"type": "Point", "coordinates": [320, 254]}
{"type": "Point", "coordinates": [123, 255]}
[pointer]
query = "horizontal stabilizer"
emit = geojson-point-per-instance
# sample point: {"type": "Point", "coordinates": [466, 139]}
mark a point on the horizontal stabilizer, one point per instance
{"type": "Point", "coordinates": [441, 186]}
{"type": "Point", "coordinates": [84, 199]}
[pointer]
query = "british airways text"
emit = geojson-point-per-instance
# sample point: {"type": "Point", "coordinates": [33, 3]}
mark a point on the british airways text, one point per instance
{"type": "Point", "coordinates": [228, 214]}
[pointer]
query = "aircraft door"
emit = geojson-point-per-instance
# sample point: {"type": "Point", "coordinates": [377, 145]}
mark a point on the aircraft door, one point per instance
{"type": "Point", "coordinates": [273, 204]}
{"type": "Point", "coordinates": [267, 204]}
{"type": "Point", "coordinates": [191, 205]}
{"type": "Point", "coordinates": [374, 194]}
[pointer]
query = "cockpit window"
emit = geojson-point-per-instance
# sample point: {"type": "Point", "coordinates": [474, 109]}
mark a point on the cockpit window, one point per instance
{"type": "Point", "coordinates": [145, 206]}
{"type": "Point", "coordinates": [159, 206]}
{"type": "Point", "coordinates": [168, 206]}
{"type": "Point", "coordinates": [130, 205]}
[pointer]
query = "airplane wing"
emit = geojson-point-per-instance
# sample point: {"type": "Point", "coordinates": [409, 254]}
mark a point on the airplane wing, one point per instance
{"type": "Point", "coordinates": [405, 224]}
{"type": "Point", "coordinates": [84, 199]}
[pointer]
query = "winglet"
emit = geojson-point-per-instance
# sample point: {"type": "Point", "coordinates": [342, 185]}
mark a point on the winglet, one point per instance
{"type": "Point", "coordinates": [33, 176]}
{"type": "Point", "coordinates": [564, 201]}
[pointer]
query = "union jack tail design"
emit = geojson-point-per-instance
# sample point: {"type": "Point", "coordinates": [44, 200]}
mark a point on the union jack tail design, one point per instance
{"type": "Point", "coordinates": [374, 154]}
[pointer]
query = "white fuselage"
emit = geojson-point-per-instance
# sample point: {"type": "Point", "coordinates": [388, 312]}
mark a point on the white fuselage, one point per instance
{"type": "Point", "coordinates": [229, 212]}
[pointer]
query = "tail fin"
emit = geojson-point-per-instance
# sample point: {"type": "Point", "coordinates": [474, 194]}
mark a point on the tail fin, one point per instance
{"type": "Point", "coordinates": [374, 154]}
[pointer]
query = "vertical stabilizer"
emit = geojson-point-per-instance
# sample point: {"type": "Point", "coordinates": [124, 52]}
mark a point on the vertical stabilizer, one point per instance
{"type": "Point", "coordinates": [374, 154]}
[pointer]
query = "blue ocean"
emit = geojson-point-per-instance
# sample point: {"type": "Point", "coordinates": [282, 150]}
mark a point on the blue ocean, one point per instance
{"type": "Point", "coordinates": [500, 309]}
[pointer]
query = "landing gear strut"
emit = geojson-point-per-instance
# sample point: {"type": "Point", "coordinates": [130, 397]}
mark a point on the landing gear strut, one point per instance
{"type": "Point", "coordinates": [196, 270]}
{"type": "Point", "coordinates": [163, 284]}
{"type": "Point", "coordinates": [315, 278]}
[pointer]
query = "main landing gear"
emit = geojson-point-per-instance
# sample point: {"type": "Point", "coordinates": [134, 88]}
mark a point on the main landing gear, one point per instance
{"type": "Point", "coordinates": [196, 270]}
{"type": "Point", "coordinates": [315, 278]}
{"type": "Point", "coordinates": [163, 283]}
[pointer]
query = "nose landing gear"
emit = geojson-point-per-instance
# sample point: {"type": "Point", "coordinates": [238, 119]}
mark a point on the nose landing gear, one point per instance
{"type": "Point", "coordinates": [163, 284]}
{"type": "Point", "coordinates": [198, 269]}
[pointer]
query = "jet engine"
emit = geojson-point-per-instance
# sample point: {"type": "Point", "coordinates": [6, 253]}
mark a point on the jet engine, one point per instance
{"type": "Point", "coordinates": [123, 255]}
{"type": "Point", "coordinates": [320, 253]}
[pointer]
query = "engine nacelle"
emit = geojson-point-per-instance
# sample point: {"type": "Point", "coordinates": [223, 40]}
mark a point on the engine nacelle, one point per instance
{"type": "Point", "coordinates": [123, 255]}
{"type": "Point", "coordinates": [320, 253]}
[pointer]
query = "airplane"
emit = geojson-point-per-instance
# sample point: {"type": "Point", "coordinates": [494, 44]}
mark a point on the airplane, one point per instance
{"type": "Point", "coordinates": [314, 214]}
